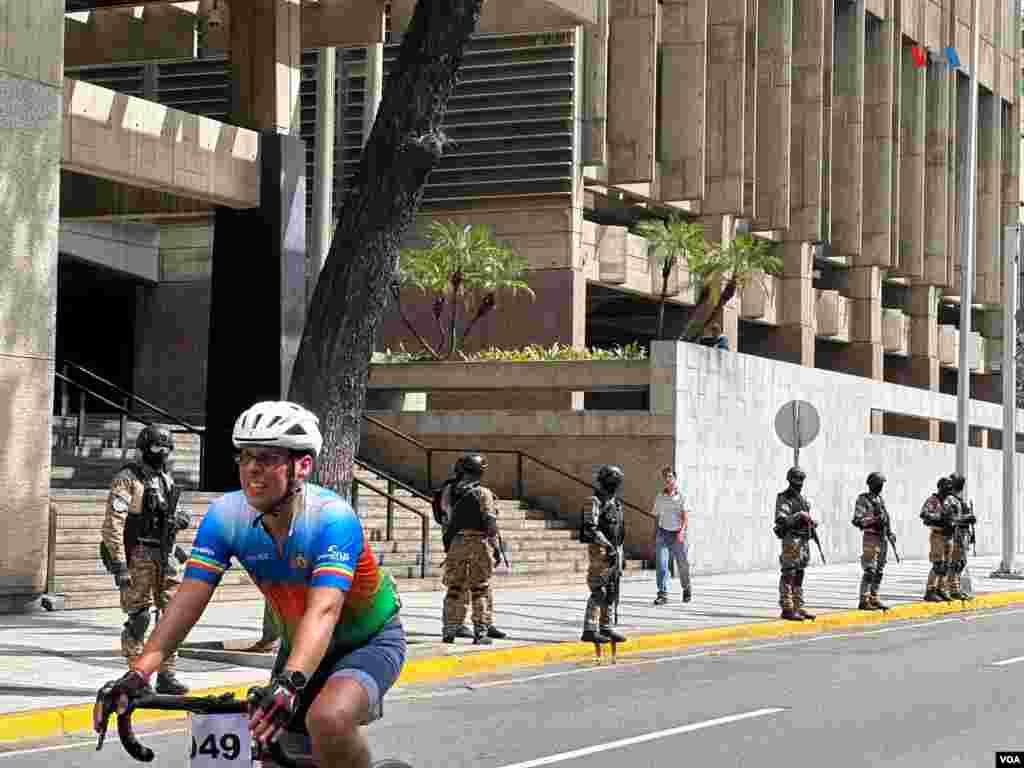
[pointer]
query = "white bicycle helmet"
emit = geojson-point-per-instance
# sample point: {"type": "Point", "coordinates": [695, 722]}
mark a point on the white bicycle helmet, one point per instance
{"type": "Point", "coordinates": [280, 424]}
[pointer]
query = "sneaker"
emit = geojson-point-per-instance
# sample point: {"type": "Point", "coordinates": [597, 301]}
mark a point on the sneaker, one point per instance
{"type": "Point", "coordinates": [497, 634]}
{"type": "Point", "coordinates": [167, 683]}
{"type": "Point", "coordinates": [464, 631]}
{"type": "Point", "coordinates": [448, 637]}
{"type": "Point", "coordinates": [661, 600]}
{"type": "Point", "coordinates": [791, 615]}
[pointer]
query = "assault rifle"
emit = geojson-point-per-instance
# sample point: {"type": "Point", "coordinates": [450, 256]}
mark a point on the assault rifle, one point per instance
{"type": "Point", "coordinates": [974, 537]}
{"type": "Point", "coordinates": [168, 528]}
{"type": "Point", "coordinates": [890, 536]}
{"type": "Point", "coordinates": [504, 556]}
{"type": "Point", "coordinates": [816, 540]}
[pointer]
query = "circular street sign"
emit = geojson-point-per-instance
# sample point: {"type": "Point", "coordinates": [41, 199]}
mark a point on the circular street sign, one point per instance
{"type": "Point", "coordinates": [797, 423]}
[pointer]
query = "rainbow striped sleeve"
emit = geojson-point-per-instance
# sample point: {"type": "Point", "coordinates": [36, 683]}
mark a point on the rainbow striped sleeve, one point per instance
{"type": "Point", "coordinates": [337, 547]}
{"type": "Point", "coordinates": [211, 553]}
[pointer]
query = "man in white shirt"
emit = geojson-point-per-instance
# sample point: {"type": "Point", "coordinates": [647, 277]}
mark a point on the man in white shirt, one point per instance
{"type": "Point", "coordinates": [673, 517]}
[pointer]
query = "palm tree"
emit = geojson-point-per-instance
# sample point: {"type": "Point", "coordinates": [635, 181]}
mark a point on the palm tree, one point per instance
{"type": "Point", "coordinates": [670, 244]}
{"type": "Point", "coordinates": [462, 266]}
{"type": "Point", "coordinates": [725, 270]}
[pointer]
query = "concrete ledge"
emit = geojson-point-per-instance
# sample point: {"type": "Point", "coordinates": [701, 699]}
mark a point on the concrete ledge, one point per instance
{"type": "Point", "coordinates": [571, 375]}
{"type": "Point", "coordinates": [131, 140]}
{"type": "Point", "coordinates": [64, 721]}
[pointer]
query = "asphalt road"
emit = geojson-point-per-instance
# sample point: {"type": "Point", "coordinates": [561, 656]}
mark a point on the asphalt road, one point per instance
{"type": "Point", "coordinates": [934, 693]}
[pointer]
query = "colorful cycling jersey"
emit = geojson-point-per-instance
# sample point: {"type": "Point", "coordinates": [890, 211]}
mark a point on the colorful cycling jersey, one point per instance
{"type": "Point", "coordinates": [325, 548]}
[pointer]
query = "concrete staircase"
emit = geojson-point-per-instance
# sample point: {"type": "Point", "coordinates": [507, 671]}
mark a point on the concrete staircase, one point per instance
{"type": "Point", "coordinates": [541, 549]}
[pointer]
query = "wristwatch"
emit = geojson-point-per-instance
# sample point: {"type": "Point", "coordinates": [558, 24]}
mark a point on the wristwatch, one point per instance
{"type": "Point", "coordinates": [295, 679]}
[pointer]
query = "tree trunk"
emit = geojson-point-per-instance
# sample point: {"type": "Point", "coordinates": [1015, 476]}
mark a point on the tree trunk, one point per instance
{"type": "Point", "coordinates": [665, 274]}
{"type": "Point", "coordinates": [396, 292]}
{"type": "Point", "coordinates": [353, 291]}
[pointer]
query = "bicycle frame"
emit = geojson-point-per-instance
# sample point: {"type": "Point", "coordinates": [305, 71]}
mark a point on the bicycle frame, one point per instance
{"type": "Point", "coordinates": [200, 705]}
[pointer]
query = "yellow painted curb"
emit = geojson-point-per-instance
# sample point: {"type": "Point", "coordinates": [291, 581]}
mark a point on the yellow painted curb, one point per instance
{"type": "Point", "coordinates": [439, 668]}
{"type": "Point", "coordinates": [48, 723]}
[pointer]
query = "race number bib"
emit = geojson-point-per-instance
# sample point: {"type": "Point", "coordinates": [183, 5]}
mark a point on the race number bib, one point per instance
{"type": "Point", "coordinates": [219, 741]}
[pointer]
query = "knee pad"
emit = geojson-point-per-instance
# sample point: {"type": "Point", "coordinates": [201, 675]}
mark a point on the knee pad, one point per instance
{"type": "Point", "coordinates": [598, 596]}
{"type": "Point", "coordinates": [137, 624]}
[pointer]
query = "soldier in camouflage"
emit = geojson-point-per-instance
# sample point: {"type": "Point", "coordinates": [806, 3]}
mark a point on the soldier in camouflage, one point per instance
{"type": "Point", "coordinates": [937, 513]}
{"type": "Point", "coordinates": [871, 516]}
{"type": "Point", "coordinates": [963, 520]}
{"type": "Point", "coordinates": [138, 534]}
{"type": "Point", "coordinates": [469, 539]}
{"type": "Point", "coordinates": [793, 524]}
{"type": "Point", "coordinates": [443, 515]}
{"type": "Point", "coordinates": [603, 530]}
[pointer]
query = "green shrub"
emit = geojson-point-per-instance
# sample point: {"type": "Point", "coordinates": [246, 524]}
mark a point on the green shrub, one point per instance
{"type": "Point", "coordinates": [529, 354]}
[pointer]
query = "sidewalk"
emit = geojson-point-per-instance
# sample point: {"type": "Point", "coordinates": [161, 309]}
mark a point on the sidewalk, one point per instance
{"type": "Point", "coordinates": [58, 660]}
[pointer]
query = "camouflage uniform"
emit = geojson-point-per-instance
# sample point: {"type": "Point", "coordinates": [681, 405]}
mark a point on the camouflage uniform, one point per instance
{"type": "Point", "coordinates": [470, 562]}
{"type": "Point", "coordinates": [796, 552]}
{"type": "Point", "coordinates": [963, 518]}
{"type": "Point", "coordinates": [936, 513]}
{"type": "Point", "coordinates": [132, 544]}
{"type": "Point", "coordinates": [871, 516]}
{"type": "Point", "coordinates": [604, 522]}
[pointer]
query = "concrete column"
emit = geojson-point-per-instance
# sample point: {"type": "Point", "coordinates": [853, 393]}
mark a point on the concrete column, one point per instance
{"type": "Point", "coordinates": [847, 158]}
{"type": "Point", "coordinates": [31, 73]}
{"type": "Point", "coordinates": [879, 213]}
{"type": "Point", "coordinates": [724, 138]}
{"type": "Point", "coordinates": [374, 84]}
{"type": "Point", "coordinates": [774, 111]}
{"type": "Point", "coordinates": [323, 182]}
{"type": "Point", "coordinates": [808, 120]}
{"type": "Point", "coordinates": [266, 64]}
{"type": "Point", "coordinates": [988, 287]}
{"type": "Point", "coordinates": [258, 286]}
{"type": "Point", "coordinates": [912, 108]}
{"type": "Point", "coordinates": [793, 340]}
{"type": "Point", "coordinates": [864, 354]}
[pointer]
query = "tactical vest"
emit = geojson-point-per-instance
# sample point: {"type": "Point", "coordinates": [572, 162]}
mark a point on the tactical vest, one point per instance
{"type": "Point", "coordinates": [799, 504]}
{"type": "Point", "coordinates": [155, 523]}
{"type": "Point", "coordinates": [610, 522]}
{"type": "Point", "coordinates": [467, 510]}
{"type": "Point", "coordinates": [876, 507]}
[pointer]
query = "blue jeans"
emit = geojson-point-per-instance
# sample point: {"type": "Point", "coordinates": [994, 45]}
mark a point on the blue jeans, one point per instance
{"type": "Point", "coordinates": [666, 542]}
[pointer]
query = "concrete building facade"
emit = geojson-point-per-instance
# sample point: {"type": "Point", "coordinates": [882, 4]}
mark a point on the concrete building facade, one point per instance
{"type": "Point", "coordinates": [159, 154]}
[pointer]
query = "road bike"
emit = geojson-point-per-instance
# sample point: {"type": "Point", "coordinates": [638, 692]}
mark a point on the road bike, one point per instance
{"type": "Point", "coordinates": [220, 735]}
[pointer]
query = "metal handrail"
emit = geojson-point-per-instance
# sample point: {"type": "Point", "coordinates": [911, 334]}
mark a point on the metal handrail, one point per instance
{"type": "Point", "coordinates": [121, 391]}
{"type": "Point", "coordinates": [124, 410]}
{"type": "Point", "coordinates": [520, 455]}
{"type": "Point", "coordinates": [392, 479]}
{"type": "Point", "coordinates": [392, 499]}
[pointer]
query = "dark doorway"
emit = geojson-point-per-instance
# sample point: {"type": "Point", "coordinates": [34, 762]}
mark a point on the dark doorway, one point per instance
{"type": "Point", "coordinates": [95, 326]}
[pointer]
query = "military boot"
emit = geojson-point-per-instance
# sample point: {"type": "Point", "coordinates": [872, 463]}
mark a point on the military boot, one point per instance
{"type": "Point", "coordinates": [593, 636]}
{"type": "Point", "coordinates": [611, 634]}
{"type": "Point", "coordinates": [167, 683]}
{"type": "Point", "coordinates": [464, 631]}
{"type": "Point", "coordinates": [786, 600]}
{"type": "Point", "coordinates": [497, 634]}
{"type": "Point", "coordinates": [480, 636]}
{"type": "Point", "coordinates": [933, 596]}
{"type": "Point", "coordinates": [798, 598]}
{"type": "Point", "coordinates": [865, 595]}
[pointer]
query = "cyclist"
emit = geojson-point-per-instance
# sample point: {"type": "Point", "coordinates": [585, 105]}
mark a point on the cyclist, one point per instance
{"type": "Point", "coordinates": [342, 643]}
